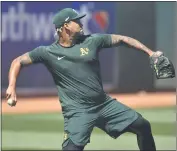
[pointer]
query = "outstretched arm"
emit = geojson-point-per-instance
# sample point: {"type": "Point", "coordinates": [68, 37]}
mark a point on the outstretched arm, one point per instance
{"type": "Point", "coordinates": [14, 71]}
{"type": "Point", "coordinates": [119, 39]}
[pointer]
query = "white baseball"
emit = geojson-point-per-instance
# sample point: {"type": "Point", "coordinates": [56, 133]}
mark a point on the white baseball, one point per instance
{"type": "Point", "coordinates": [10, 101]}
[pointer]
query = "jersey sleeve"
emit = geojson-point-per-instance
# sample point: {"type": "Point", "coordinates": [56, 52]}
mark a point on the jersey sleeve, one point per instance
{"type": "Point", "coordinates": [38, 54]}
{"type": "Point", "coordinates": [102, 40]}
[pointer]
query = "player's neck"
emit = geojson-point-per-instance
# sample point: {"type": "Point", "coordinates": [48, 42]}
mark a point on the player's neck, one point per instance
{"type": "Point", "coordinates": [66, 41]}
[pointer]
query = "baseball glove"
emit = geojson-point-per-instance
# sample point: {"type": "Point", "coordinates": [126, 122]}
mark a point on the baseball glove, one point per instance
{"type": "Point", "coordinates": [162, 66]}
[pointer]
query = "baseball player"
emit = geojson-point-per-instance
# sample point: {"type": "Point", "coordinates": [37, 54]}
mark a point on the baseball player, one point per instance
{"type": "Point", "coordinates": [73, 63]}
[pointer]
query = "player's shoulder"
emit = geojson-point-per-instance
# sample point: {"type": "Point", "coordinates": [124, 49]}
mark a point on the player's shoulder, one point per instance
{"type": "Point", "coordinates": [95, 34]}
{"type": "Point", "coordinates": [87, 38]}
{"type": "Point", "coordinates": [92, 36]}
{"type": "Point", "coordinates": [100, 35]}
{"type": "Point", "coordinates": [48, 48]}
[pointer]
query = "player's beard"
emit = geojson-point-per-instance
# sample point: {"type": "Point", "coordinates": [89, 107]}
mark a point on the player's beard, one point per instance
{"type": "Point", "coordinates": [78, 35]}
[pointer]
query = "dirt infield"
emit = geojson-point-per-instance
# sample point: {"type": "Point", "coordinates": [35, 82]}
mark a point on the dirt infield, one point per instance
{"type": "Point", "coordinates": [51, 104]}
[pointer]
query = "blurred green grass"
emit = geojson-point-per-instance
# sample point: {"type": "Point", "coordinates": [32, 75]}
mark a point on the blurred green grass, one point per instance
{"type": "Point", "coordinates": [162, 121]}
{"type": "Point", "coordinates": [53, 122]}
{"type": "Point", "coordinates": [36, 125]}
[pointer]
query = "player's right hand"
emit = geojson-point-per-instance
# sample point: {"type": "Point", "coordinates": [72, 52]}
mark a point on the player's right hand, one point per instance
{"type": "Point", "coordinates": [11, 94]}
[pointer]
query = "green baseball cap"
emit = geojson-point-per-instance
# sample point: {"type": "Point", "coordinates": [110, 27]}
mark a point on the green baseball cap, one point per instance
{"type": "Point", "coordinates": [66, 15]}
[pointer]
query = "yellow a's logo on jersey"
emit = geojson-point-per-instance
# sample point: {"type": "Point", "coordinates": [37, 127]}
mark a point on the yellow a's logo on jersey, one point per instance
{"type": "Point", "coordinates": [84, 51]}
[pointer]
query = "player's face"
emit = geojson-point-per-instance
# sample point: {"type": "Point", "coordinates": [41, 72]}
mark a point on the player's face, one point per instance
{"type": "Point", "coordinates": [76, 27]}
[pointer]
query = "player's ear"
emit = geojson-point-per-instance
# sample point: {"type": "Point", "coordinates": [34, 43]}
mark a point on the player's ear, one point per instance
{"type": "Point", "coordinates": [59, 30]}
{"type": "Point", "coordinates": [66, 26]}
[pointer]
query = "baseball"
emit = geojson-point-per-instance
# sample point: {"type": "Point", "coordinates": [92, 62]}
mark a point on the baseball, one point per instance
{"type": "Point", "coordinates": [11, 102]}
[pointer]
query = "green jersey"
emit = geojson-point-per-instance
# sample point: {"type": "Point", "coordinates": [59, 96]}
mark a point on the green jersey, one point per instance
{"type": "Point", "coordinates": [75, 70]}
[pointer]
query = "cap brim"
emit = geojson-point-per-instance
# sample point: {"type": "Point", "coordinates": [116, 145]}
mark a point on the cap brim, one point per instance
{"type": "Point", "coordinates": [79, 17]}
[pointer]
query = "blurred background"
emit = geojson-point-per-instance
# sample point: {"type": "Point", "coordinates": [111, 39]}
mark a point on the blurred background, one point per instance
{"type": "Point", "coordinates": [37, 123]}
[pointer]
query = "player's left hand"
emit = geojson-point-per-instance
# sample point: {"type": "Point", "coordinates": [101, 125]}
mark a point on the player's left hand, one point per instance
{"type": "Point", "coordinates": [162, 66]}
